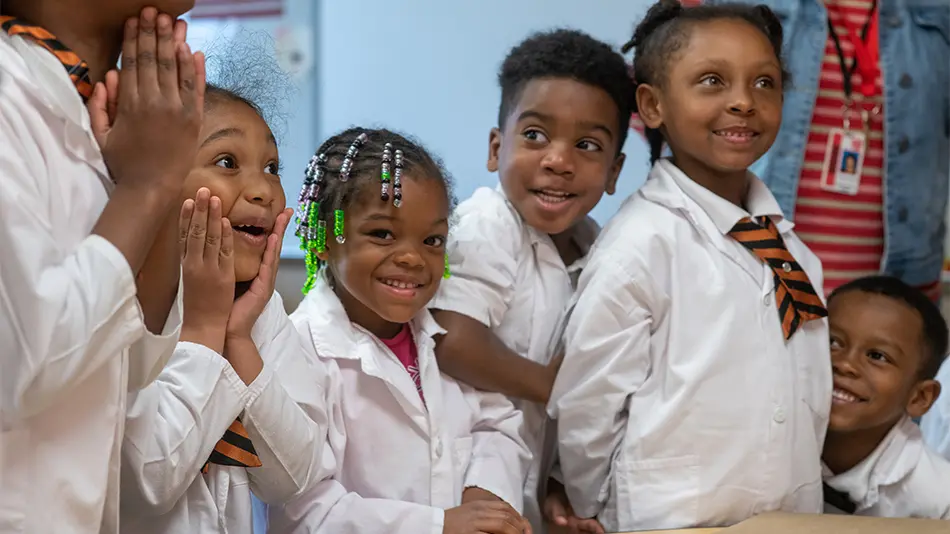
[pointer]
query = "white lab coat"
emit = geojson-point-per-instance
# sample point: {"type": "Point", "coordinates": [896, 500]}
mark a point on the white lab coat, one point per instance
{"type": "Point", "coordinates": [398, 463]}
{"type": "Point", "coordinates": [174, 424]}
{"type": "Point", "coordinates": [679, 403]}
{"type": "Point", "coordinates": [901, 478]}
{"type": "Point", "coordinates": [72, 336]}
{"type": "Point", "coordinates": [935, 425]}
{"type": "Point", "coordinates": [510, 277]}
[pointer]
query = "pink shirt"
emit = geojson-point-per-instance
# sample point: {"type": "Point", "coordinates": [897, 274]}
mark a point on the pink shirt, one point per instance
{"type": "Point", "coordinates": [404, 347]}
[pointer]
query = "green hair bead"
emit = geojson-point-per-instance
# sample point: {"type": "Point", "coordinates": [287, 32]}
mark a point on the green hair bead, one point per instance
{"type": "Point", "coordinates": [446, 273]}
{"type": "Point", "coordinates": [338, 226]}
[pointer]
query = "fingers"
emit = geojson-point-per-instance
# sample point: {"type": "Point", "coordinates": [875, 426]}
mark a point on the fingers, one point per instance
{"type": "Point", "coordinates": [226, 252]}
{"type": "Point", "coordinates": [275, 241]}
{"type": "Point", "coordinates": [200, 81]}
{"type": "Point", "coordinates": [146, 59]}
{"type": "Point", "coordinates": [112, 94]}
{"type": "Point", "coordinates": [590, 526]}
{"type": "Point", "coordinates": [184, 225]}
{"type": "Point", "coordinates": [187, 78]}
{"type": "Point", "coordinates": [167, 56]}
{"type": "Point", "coordinates": [129, 73]}
{"type": "Point", "coordinates": [198, 230]}
{"type": "Point", "coordinates": [98, 114]}
{"type": "Point", "coordinates": [213, 237]}
{"type": "Point", "coordinates": [180, 32]}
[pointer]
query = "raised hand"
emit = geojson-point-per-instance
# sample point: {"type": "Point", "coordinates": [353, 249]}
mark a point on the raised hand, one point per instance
{"type": "Point", "coordinates": [207, 264]}
{"type": "Point", "coordinates": [147, 116]}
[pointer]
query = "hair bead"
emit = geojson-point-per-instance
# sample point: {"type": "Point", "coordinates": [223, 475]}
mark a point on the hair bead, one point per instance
{"type": "Point", "coordinates": [338, 226]}
{"type": "Point", "coordinates": [351, 153]}
{"type": "Point", "coordinates": [397, 180]}
{"type": "Point", "coordinates": [384, 173]}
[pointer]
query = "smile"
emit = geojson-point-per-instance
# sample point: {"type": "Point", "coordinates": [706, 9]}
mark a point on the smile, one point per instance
{"type": "Point", "coordinates": [401, 289]}
{"type": "Point", "coordinates": [552, 196]}
{"type": "Point", "coordinates": [840, 396]}
{"type": "Point", "coordinates": [398, 284]}
{"type": "Point", "coordinates": [736, 136]}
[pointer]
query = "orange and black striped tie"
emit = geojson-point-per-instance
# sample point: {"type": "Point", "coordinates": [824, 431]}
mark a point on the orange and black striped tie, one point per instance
{"type": "Point", "coordinates": [77, 69]}
{"type": "Point", "coordinates": [234, 449]}
{"type": "Point", "coordinates": [795, 297]}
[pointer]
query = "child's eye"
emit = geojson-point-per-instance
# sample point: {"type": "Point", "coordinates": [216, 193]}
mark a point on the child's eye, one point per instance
{"type": "Point", "coordinates": [835, 344]}
{"type": "Point", "coordinates": [588, 146]}
{"type": "Point", "coordinates": [765, 83]}
{"type": "Point", "coordinates": [381, 234]}
{"type": "Point", "coordinates": [711, 79]}
{"type": "Point", "coordinates": [877, 356]}
{"type": "Point", "coordinates": [437, 241]}
{"type": "Point", "coordinates": [228, 162]}
{"type": "Point", "coordinates": [534, 135]}
{"type": "Point", "coordinates": [273, 168]}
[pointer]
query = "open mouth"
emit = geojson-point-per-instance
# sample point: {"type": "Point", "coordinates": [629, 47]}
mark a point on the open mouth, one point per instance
{"type": "Point", "coordinates": [552, 196]}
{"type": "Point", "coordinates": [398, 284]}
{"type": "Point", "coordinates": [842, 396]}
{"type": "Point", "coordinates": [249, 229]}
{"type": "Point", "coordinates": [737, 135]}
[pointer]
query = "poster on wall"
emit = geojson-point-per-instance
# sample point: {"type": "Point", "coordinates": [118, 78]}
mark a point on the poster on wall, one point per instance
{"type": "Point", "coordinates": [229, 9]}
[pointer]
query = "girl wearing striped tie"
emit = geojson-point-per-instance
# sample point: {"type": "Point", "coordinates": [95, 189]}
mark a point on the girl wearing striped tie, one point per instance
{"type": "Point", "coordinates": [695, 387]}
{"type": "Point", "coordinates": [240, 406]}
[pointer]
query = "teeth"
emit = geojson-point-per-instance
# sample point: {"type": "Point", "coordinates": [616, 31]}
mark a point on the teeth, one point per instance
{"type": "Point", "coordinates": [843, 396]}
{"type": "Point", "coordinates": [736, 136]}
{"type": "Point", "coordinates": [553, 197]}
{"type": "Point", "coordinates": [399, 285]}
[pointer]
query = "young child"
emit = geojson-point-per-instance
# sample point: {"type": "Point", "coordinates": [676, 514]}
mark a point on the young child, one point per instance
{"type": "Point", "coordinates": [887, 343]}
{"type": "Point", "coordinates": [695, 387]}
{"type": "Point", "coordinates": [565, 103]}
{"type": "Point", "coordinates": [84, 317]}
{"type": "Point", "coordinates": [410, 450]}
{"type": "Point", "coordinates": [241, 405]}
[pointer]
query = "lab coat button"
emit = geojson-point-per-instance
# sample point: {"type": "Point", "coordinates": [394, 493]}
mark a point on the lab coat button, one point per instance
{"type": "Point", "coordinates": [779, 416]}
{"type": "Point", "coordinates": [438, 448]}
{"type": "Point", "coordinates": [767, 299]}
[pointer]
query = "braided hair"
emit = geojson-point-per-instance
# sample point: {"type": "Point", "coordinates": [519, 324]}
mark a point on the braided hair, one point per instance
{"type": "Point", "coordinates": [348, 165]}
{"type": "Point", "coordinates": [664, 32]}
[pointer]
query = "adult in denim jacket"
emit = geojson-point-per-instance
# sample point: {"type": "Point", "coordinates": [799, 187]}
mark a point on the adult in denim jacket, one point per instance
{"type": "Point", "coordinates": [915, 60]}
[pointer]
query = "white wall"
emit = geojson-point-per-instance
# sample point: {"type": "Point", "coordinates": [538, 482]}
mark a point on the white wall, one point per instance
{"type": "Point", "coordinates": [424, 67]}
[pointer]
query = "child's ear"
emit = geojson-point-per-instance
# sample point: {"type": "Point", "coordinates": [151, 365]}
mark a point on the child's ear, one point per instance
{"type": "Point", "coordinates": [494, 146]}
{"type": "Point", "coordinates": [648, 106]}
{"type": "Point", "coordinates": [922, 397]}
{"type": "Point", "coordinates": [322, 256]}
{"type": "Point", "coordinates": [615, 169]}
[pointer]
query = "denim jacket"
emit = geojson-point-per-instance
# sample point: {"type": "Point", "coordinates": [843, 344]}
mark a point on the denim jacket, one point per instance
{"type": "Point", "coordinates": [915, 60]}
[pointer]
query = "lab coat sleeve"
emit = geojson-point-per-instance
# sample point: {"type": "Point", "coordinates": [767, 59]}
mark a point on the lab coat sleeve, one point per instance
{"type": "Point", "coordinates": [173, 425]}
{"type": "Point", "coordinates": [287, 421]}
{"type": "Point", "coordinates": [329, 508]}
{"type": "Point", "coordinates": [148, 355]}
{"type": "Point", "coordinates": [500, 457]}
{"type": "Point", "coordinates": [64, 310]}
{"type": "Point", "coordinates": [482, 250]}
{"type": "Point", "coordinates": [935, 425]}
{"type": "Point", "coordinates": [607, 358]}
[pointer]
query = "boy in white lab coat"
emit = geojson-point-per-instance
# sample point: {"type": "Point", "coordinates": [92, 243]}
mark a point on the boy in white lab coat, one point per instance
{"type": "Point", "coordinates": [565, 103]}
{"type": "Point", "coordinates": [241, 405]}
{"type": "Point", "coordinates": [90, 268]}
{"type": "Point", "coordinates": [887, 342]}
{"type": "Point", "coordinates": [410, 450]}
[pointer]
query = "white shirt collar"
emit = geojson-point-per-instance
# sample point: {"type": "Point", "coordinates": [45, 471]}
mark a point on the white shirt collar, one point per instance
{"type": "Point", "coordinates": [725, 214]}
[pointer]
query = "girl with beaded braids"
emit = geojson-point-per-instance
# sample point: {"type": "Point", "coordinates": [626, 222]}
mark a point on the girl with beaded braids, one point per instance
{"type": "Point", "coordinates": [695, 387]}
{"type": "Point", "coordinates": [240, 407]}
{"type": "Point", "coordinates": [373, 219]}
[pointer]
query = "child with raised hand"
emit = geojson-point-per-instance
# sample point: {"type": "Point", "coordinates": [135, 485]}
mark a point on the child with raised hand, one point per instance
{"type": "Point", "coordinates": [85, 318]}
{"type": "Point", "coordinates": [410, 450]}
{"type": "Point", "coordinates": [888, 340]}
{"type": "Point", "coordinates": [240, 406]}
{"type": "Point", "coordinates": [516, 250]}
{"type": "Point", "coordinates": [695, 386]}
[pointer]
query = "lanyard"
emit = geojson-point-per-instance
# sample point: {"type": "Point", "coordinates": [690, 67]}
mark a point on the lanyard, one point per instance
{"type": "Point", "coordinates": [866, 52]}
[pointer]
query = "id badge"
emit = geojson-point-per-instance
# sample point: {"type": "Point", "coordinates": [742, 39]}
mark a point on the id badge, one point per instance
{"type": "Point", "coordinates": [844, 161]}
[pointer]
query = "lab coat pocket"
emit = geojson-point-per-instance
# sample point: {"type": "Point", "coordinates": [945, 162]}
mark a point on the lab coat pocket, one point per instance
{"type": "Point", "coordinates": [461, 458]}
{"type": "Point", "coordinates": [658, 493]}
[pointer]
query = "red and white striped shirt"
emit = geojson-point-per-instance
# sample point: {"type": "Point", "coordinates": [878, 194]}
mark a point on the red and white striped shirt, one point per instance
{"type": "Point", "coordinates": [845, 231]}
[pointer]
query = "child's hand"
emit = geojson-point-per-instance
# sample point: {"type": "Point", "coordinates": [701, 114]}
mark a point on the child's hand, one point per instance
{"type": "Point", "coordinates": [484, 517]}
{"type": "Point", "coordinates": [558, 511]}
{"type": "Point", "coordinates": [251, 304]}
{"type": "Point", "coordinates": [162, 91]}
{"type": "Point", "coordinates": [207, 270]}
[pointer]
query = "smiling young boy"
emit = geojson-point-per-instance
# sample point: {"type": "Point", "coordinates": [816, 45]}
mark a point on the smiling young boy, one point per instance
{"type": "Point", "coordinates": [565, 102]}
{"type": "Point", "coordinates": [887, 342]}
